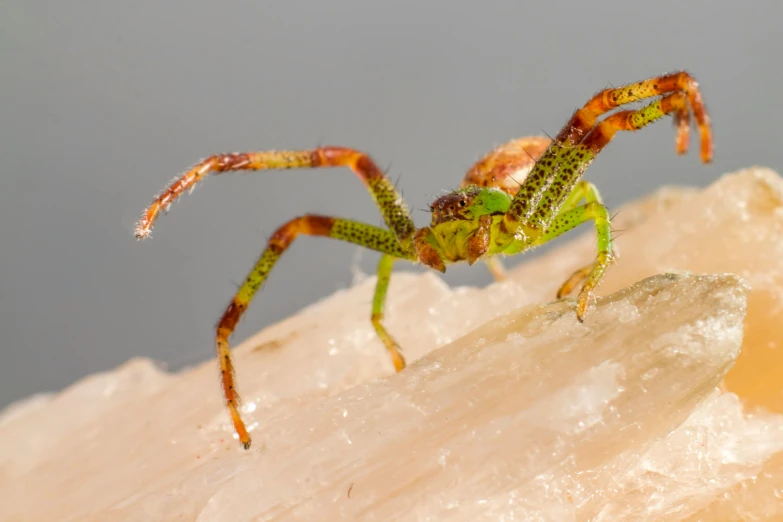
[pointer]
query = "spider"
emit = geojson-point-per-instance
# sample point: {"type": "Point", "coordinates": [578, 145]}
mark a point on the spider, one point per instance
{"type": "Point", "coordinates": [519, 196]}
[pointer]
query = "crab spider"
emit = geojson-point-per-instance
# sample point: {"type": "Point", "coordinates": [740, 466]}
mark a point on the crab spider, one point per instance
{"type": "Point", "coordinates": [519, 196]}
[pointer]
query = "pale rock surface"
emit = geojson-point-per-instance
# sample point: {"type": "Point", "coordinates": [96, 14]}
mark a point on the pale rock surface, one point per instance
{"type": "Point", "coordinates": [733, 226]}
{"type": "Point", "coordinates": [510, 410]}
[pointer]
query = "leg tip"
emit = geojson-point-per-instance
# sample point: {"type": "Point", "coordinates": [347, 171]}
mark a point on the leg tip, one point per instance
{"type": "Point", "coordinates": [399, 361]}
{"type": "Point", "coordinates": [583, 306]}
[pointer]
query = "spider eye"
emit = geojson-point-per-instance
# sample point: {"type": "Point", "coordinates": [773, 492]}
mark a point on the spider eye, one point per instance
{"type": "Point", "coordinates": [462, 203]}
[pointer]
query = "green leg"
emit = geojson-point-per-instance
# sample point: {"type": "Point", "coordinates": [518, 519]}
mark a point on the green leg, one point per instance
{"type": "Point", "coordinates": [556, 173]}
{"type": "Point", "coordinates": [569, 219]}
{"type": "Point", "coordinates": [368, 236]}
{"type": "Point", "coordinates": [584, 190]}
{"type": "Point", "coordinates": [385, 266]}
{"type": "Point", "coordinates": [587, 191]}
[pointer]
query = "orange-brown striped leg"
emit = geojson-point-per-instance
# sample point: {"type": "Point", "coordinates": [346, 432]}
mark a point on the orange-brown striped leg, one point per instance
{"type": "Point", "coordinates": [358, 233]}
{"type": "Point", "coordinates": [571, 162]}
{"type": "Point", "coordinates": [585, 118]}
{"type": "Point", "coordinates": [394, 211]}
{"type": "Point", "coordinates": [546, 186]}
{"type": "Point", "coordinates": [575, 279]}
{"type": "Point", "coordinates": [632, 120]}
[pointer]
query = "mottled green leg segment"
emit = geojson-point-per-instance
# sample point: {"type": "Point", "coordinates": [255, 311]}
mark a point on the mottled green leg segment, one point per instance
{"type": "Point", "coordinates": [368, 236]}
{"type": "Point", "coordinates": [546, 187]}
{"type": "Point", "coordinates": [570, 218]}
{"type": "Point", "coordinates": [385, 266]}
{"type": "Point", "coordinates": [535, 186]}
{"type": "Point", "coordinates": [586, 191]}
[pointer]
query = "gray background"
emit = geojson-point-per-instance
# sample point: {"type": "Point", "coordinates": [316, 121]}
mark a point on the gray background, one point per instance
{"type": "Point", "coordinates": [104, 102]}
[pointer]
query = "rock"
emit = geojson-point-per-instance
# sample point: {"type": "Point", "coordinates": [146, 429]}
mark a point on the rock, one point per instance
{"type": "Point", "coordinates": [511, 409]}
{"type": "Point", "coordinates": [733, 226]}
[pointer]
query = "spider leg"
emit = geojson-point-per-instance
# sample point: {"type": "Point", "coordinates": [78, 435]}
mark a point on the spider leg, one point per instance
{"type": "Point", "coordinates": [561, 166]}
{"type": "Point", "coordinates": [573, 161]}
{"type": "Point", "coordinates": [496, 268]}
{"type": "Point", "coordinates": [385, 266]}
{"type": "Point", "coordinates": [578, 276]}
{"type": "Point", "coordinates": [390, 203]}
{"type": "Point", "coordinates": [606, 100]}
{"type": "Point", "coordinates": [351, 231]}
{"type": "Point", "coordinates": [570, 219]}
{"type": "Point", "coordinates": [584, 190]}
{"type": "Point", "coordinates": [581, 139]}
{"type": "Point", "coordinates": [552, 187]}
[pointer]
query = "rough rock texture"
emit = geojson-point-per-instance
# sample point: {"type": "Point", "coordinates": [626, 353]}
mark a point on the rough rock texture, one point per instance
{"type": "Point", "coordinates": [511, 410]}
{"type": "Point", "coordinates": [735, 226]}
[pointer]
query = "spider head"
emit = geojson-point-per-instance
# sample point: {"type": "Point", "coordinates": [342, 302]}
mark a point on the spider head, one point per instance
{"type": "Point", "coordinates": [468, 204]}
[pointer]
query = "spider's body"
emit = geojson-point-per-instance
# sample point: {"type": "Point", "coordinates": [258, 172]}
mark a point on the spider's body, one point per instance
{"type": "Point", "coordinates": [521, 195]}
{"type": "Point", "coordinates": [462, 217]}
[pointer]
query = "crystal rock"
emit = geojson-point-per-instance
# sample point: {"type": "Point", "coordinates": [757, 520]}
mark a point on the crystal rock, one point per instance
{"type": "Point", "coordinates": [510, 408]}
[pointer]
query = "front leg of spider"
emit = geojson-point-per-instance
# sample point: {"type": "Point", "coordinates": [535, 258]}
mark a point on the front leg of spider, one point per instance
{"type": "Point", "coordinates": [544, 208]}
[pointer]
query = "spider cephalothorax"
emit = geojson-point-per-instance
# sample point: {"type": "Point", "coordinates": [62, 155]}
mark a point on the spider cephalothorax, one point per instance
{"type": "Point", "coordinates": [521, 195]}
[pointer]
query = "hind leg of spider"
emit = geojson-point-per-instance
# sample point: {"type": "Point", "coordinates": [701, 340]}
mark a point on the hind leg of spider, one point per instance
{"type": "Point", "coordinates": [361, 234]}
{"type": "Point", "coordinates": [385, 266]}
{"type": "Point", "coordinates": [570, 219]}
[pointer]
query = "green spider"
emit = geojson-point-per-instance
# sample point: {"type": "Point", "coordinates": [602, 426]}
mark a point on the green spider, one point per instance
{"type": "Point", "coordinates": [519, 196]}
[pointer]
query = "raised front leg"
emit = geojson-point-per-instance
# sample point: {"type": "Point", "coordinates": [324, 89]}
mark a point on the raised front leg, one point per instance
{"type": "Point", "coordinates": [554, 175]}
{"type": "Point", "coordinates": [585, 118]}
{"type": "Point", "coordinates": [394, 211]}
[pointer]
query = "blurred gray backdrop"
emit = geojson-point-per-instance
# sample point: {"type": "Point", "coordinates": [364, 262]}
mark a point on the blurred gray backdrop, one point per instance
{"type": "Point", "coordinates": [104, 102]}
